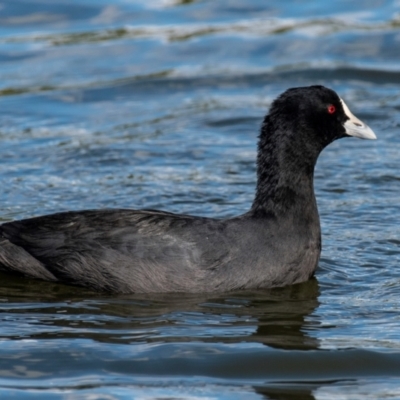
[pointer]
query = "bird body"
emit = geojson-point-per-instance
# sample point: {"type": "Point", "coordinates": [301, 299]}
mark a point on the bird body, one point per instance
{"type": "Point", "coordinates": [149, 251]}
{"type": "Point", "coordinates": [276, 243]}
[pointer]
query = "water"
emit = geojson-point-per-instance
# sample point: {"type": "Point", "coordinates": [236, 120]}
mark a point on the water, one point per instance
{"type": "Point", "coordinates": [157, 104]}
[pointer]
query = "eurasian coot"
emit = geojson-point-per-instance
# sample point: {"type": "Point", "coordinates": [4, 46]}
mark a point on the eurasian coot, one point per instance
{"type": "Point", "coordinates": [276, 243]}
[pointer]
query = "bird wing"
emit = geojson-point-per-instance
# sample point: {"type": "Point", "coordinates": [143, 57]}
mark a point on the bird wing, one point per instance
{"type": "Point", "coordinates": [114, 250]}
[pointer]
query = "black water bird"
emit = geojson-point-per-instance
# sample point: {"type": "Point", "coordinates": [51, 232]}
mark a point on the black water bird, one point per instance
{"type": "Point", "coordinates": [276, 243]}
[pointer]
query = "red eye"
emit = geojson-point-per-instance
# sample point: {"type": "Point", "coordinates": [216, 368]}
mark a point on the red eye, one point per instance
{"type": "Point", "coordinates": [331, 109]}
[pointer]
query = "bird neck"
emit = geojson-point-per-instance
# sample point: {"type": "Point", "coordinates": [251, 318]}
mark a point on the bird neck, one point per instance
{"type": "Point", "coordinates": [280, 193]}
{"type": "Point", "coordinates": [285, 173]}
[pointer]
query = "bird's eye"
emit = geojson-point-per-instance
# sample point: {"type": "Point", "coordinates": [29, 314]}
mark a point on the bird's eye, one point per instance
{"type": "Point", "coordinates": [331, 109]}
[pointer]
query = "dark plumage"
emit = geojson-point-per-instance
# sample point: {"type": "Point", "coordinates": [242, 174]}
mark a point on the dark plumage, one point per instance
{"type": "Point", "coordinates": [276, 243]}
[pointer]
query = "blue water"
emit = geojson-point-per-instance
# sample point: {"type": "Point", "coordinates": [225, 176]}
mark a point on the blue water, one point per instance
{"type": "Point", "coordinates": [157, 104]}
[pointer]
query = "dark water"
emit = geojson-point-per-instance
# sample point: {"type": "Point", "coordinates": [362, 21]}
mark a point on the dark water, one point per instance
{"type": "Point", "coordinates": [157, 104]}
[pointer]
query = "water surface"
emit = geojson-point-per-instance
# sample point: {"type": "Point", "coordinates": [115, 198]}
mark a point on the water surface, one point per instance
{"type": "Point", "coordinates": [158, 105]}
